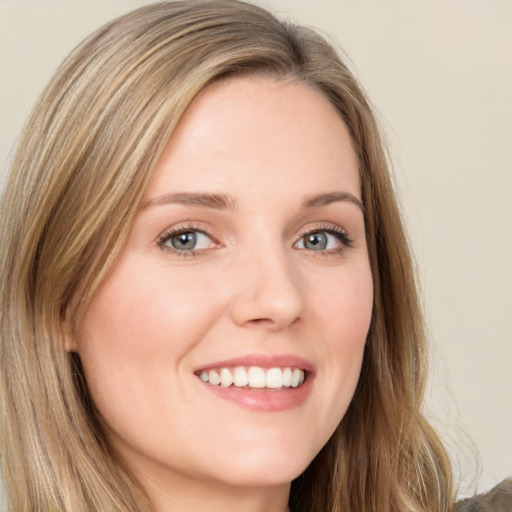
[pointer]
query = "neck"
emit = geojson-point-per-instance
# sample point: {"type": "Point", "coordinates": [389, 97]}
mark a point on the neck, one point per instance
{"type": "Point", "coordinates": [184, 495]}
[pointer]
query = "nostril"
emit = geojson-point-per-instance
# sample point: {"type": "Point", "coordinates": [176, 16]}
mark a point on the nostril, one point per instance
{"type": "Point", "coordinates": [261, 322]}
{"type": "Point", "coordinates": [270, 323]}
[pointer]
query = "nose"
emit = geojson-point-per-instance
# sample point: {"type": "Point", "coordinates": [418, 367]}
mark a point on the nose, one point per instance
{"type": "Point", "coordinates": [269, 292]}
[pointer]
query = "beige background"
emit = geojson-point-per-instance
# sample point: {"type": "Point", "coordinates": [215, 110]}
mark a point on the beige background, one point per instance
{"type": "Point", "coordinates": [440, 74]}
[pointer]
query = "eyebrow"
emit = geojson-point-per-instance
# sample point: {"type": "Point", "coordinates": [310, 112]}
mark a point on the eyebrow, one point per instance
{"type": "Point", "coordinates": [205, 200]}
{"type": "Point", "coordinates": [332, 197]}
{"type": "Point", "coordinates": [226, 202]}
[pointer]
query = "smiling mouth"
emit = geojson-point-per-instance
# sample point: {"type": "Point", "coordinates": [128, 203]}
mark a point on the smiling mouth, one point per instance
{"type": "Point", "coordinates": [254, 377]}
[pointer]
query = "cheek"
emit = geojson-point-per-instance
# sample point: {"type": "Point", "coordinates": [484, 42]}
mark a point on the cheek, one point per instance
{"type": "Point", "coordinates": [343, 311]}
{"type": "Point", "coordinates": [138, 330]}
{"type": "Point", "coordinates": [345, 306]}
{"type": "Point", "coordinates": [135, 312]}
{"type": "Point", "coordinates": [351, 323]}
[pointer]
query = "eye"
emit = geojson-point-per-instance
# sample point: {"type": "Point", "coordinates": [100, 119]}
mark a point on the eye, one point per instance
{"type": "Point", "coordinates": [330, 240]}
{"type": "Point", "coordinates": [186, 241]}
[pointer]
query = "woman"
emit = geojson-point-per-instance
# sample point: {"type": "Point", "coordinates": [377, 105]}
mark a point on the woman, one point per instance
{"type": "Point", "coordinates": [208, 298]}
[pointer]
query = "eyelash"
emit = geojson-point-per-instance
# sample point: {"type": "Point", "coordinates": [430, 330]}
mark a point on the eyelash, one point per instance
{"type": "Point", "coordinates": [336, 231]}
{"type": "Point", "coordinates": [167, 235]}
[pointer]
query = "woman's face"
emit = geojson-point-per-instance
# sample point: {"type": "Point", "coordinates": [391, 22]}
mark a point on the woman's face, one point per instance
{"type": "Point", "coordinates": [247, 261]}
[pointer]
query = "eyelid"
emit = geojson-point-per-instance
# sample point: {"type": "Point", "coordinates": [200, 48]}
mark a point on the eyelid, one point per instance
{"type": "Point", "coordinates": [184, 227]}
{"type": "Point", "coordinates": [332, 229]}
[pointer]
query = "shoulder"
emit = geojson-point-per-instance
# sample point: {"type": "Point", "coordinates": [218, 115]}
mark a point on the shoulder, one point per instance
{"type": "Point", "coordinates": [498, 499]}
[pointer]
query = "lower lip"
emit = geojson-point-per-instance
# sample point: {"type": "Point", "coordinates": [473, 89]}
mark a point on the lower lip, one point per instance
{"type": "Point", "coordinates": [269, 400]}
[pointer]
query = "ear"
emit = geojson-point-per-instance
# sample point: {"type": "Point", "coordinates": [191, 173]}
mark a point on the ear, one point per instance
{"type": "Point", "coordinates": [68, 332]}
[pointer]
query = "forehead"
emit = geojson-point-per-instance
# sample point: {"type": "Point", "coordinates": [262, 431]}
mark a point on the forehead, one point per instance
{"type": "Point", "coordinates": [256, 130]}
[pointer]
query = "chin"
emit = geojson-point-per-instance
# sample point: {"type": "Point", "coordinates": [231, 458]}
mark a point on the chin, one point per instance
{"type": "Point", "coordinates": [264, 469]}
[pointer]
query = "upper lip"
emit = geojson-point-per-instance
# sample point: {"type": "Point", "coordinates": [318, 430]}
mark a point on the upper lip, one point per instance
{"type": "Point", "coordinates": [263, 361]}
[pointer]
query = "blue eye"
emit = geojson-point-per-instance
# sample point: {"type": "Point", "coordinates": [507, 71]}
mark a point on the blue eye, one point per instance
{"type": "Point", "coordinates": [324, 240]}
{"type": "Point", "coordinates": [316, 241]}
{"type": "Point", "coordinates": [186, 240]}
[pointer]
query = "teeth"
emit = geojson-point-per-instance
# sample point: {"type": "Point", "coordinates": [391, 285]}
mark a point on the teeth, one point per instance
{"type": "Point", "coordinates": [226, 378]}
{"type": "Point", "coordinates": [240, 378]}
{"type": "Point", "coordinates": [213, 377]}
{"type": "Point", "coordinates": [274, 378]}
{"type": "Point", "coordinates": [254, 377]}
{"type": "Point", "coordinates": [295, 378]}
{"type": "Point", "coordinates": [287, 377]}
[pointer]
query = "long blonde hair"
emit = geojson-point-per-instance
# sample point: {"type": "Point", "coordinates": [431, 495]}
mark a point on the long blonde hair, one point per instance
{"type": "Point", "coordinates": [76, 182]}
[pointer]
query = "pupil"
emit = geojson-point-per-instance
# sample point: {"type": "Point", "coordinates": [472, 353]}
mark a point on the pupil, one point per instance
{"type": "Point", "coordinates": [316, 241]}
{"type": "Point", "coordinates": [184, 241]}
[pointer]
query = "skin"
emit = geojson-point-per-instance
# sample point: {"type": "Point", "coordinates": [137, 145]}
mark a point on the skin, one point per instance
{"type": "Point", "coordinates": [252, 286]}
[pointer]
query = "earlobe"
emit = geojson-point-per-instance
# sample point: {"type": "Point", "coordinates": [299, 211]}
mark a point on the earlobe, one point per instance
{"type": "Point", "coordinates": [70, 344]}
{"type": "Point", "coordinates": [68, 333]}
